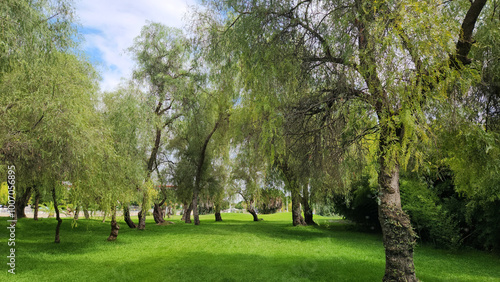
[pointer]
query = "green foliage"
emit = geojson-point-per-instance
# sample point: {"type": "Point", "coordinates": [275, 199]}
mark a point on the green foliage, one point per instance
{"type": "Point", "coordinates": [431, 220]}
{"type": "Point", "coordinates": [270, 201]}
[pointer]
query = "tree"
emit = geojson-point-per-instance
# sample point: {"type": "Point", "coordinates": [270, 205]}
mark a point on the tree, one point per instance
{"type": "Point", "coordinates": [385, 55]}
{"type": "Point", "coordinates": [162, 57]}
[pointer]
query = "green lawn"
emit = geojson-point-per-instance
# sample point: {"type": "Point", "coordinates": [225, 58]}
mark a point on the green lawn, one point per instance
{"type": "Point", "coordinates": [236, 249]}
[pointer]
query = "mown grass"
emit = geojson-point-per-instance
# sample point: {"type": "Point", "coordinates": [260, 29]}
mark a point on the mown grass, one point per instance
{"type": "Point", "coordinates": [236, 249]}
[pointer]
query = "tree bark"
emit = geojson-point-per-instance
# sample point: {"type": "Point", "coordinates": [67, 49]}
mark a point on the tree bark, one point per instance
{"type": "Point", "coordinates": [196, 215]}
{"type": "Point", "coordinates": [398, 235]}
{"type": "Point", "coordinates": [58, 218]}
{"type": "Point", "coordinates": [187, 213]}
{"type": "Point", "coordinates": [218, 217]}
{"type": "Point", "coordinates": [86, 213]}
{"type": "Point", "coordinates": [77, 213]}
{"type": "Point", "coordinates": [114, 227]}
{"type": "Point", "coordinates": [126, 217]}
{"type": "Point", "coordinates": [159, 212]}
{"type": "Point", "coordinates": [22, 201]}
{"type": "Point", "coordinates": [37, 202]}
{"type": "Point", "coordinates": [142, 213]}
{"type": "Point", "coordinates": [308, 213]}
{"type": "Point", "coordinates": [297, 218]}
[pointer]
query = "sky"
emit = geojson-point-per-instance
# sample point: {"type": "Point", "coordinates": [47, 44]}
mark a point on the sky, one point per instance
{"type": "Point", "coordinates": [110, 26]}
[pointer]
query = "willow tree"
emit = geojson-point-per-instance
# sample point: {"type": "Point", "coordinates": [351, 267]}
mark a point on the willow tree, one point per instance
{"type": "Point", "coordinates": [394, 57]}
{"type": "Point", "coordinates": [162, 56]}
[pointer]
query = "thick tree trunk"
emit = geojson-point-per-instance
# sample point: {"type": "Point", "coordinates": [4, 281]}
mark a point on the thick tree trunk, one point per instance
{"type": "Point", "coordinates": [37, 203]}
{"type": "Point", "coordinates": [159, 213]}
{"type": "Point", "coordinates": [297, 218]}
{"type": "Point", "coordinates": [196, 215]}
{"type": "Point", "coordinates": [22, 201]}
{"type": "Point", "coordinates": [114, 227]}
{"type": "Point", "coordinates": [58, 218]}
{"type": "Point", "coordinates": [187, 213]}
{"type": "Point", "coordinates": [77, 213]}
{"type": "Point", "coordinates": [126, 217]}
{"type": "Point", "coordinates": [398, 235]}
{"type": "Point", "coordinates": [218, 217]}
{"type": "Point", "coordinates": [308, 213]}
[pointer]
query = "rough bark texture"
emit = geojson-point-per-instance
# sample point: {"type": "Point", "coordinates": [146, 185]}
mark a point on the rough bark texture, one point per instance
{"type": "Point", "coordinates": [114, 227]}
{"type": "Point", "coordinates": [126, 217]}
{"type": "Point", "coordinates": [22, 201]}
{"type": "Point", "coordinates": [297, 218]}
{"type": "Point", "coordinates": [398, 235]}
{"type": "Point", "coordinates": [308, 213]}
{"type": "Point", "coordinates": [187, 213]}
{"type": "Point", "coordinates": [58, 218]}
{"type": "Point", "coordinates": [37, 203]}
{"type": "Point", "coordinates": [218, 217]}
{"type": "Point", "coordinates": [159, 212]}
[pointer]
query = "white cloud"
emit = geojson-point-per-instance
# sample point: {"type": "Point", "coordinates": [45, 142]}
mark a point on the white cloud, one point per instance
{"type": "Point", "coordinates": [111, 25]}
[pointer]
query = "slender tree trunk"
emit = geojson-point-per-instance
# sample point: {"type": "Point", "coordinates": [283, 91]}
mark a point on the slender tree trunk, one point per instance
{"type": "Point", "coordinates": [187, 213]}
{"type": "Point", "coordinates": [196, 215]}
{"type": "Point", "coordinates": [126, 217]}
{"type": "Point", "coordinates": [86, 213]}
{"type": "Point", "coordinates": [58, 218]}
{"type": "Point", "coordinates": [114, 227]}
{"type": "Point", "coordinates": [169, 211]}
{"type": "Point", "coordinates": [77, 213]}
{"type": "Point", "coordinates": [104, 217]}
{"type": "Point", "coordinates": [22, 201]}
{"type": "Point", "coordinates": [297, 218]}
{"type": "Point", "coordinates": [37, 202]}
{"type": "Point", "coordinates": [142, 214]}
{"type": "Point", "coordinates": [308, 213]}
{"type": "Point", "coordinates": [218, 217]}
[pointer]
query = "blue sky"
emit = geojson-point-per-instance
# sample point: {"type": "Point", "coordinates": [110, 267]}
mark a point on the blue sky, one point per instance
{"type": "Point", "coordinates": [109, 27]}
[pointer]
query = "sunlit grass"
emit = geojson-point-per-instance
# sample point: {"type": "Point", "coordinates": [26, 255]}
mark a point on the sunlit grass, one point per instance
{"type": "Point", "coordinates": [236, 249]}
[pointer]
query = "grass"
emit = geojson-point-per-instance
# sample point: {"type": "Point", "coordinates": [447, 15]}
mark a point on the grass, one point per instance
{"type": "Point", "coordinates": [236, 249]}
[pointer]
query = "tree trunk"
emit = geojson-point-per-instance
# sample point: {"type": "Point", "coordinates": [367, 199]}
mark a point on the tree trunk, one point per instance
{"type": "Point", "coordinates": [159, 213]}
{"type": "Point", "coordinates": [126, 217]}
{"type": "Point", "coordinates": [37, 202]}
{"type": "Point", "coordinates": [58, 218]}
{"type": "Point", "coordinates": [104, 217]}
{"type": "Point", "coordinates": [297, 218]}
{"type": "Point", "coordinates": [187, 213]}
{"type": "Point", "coordinates": [196, 215]}
{"type": "Point", "coordinates": [218, 217]}
{"type": "Point", "coordinates": [398, 235]}
{"type": "Point", "coordinates": [308, 213]}
{"type": "Point", "coordinates": [86, 213]}
{"type": "Point", "coordinates": [77, 213]}
{"type": "Point", "coordinates": [142, 213]}
{"type": "Point", "coordinates": [22, 201]}
{"type": "Point", "coordinates": [114, 227]}
{"type": "Point", "coordinates": [253, 213]}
